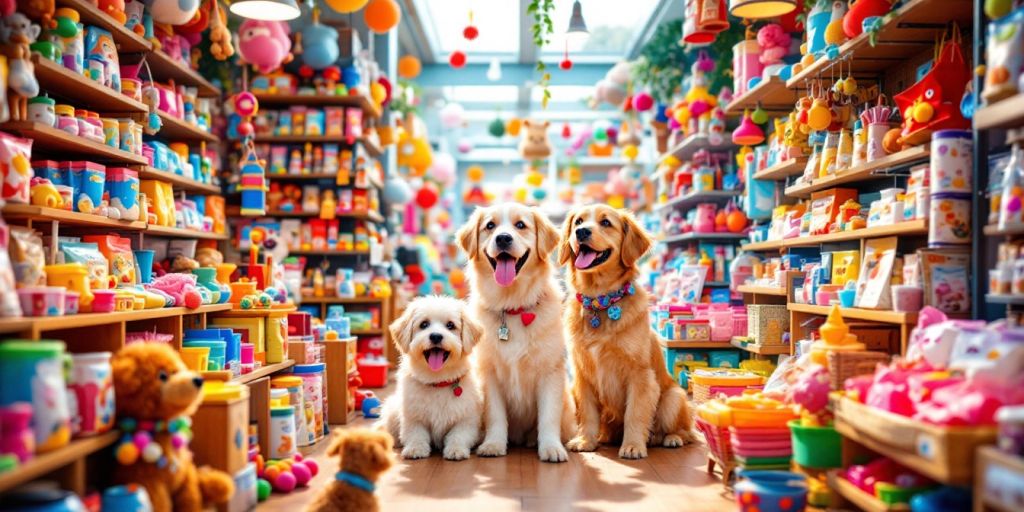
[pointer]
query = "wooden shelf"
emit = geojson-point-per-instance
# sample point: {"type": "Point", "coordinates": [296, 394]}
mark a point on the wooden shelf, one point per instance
{"type": "Point", "coordinates": [264, 371]}
{"type": "Point", "coordinates": [52, 323]}
{"type": "Point", "coordinates": [996, 298]}
{"type": "Point", "coordinates": [309, 299]}
{"type": "Point", "coordinates": [62, 83]}
{"type": "Point", "coordinates": [687, 201]}
{"type": "Point", "coordinates": [284, 100]}
{"type": "Point", "coordinates": [178, 181]}
{"type": "Point", "coordinates": [1011, 231]}
{"type": "Point", "coordinates": [327, 252]}
{"type": "Point", "coordinates": [917, 227]}
{"type": "Point", "coordinates": [686, 148]}
{"type": "Point", "coordinates": [300, 139]}
{"type": "Point", "coordinates": [864, 172]}
{"type": "Point", "coordinates": [861, 499]}
{"type": "Point", "coordinates": [155, 230]}
{"type": "Point", "coordinates": [164, 68]}
{"type": "Point", "coordinates": [887, 317]}
{"type": "Point", "coordinates": [46, 463]}
{"type": "Point", "coordinates": [371, 215]}
{"type": "Point", "coordinates": [126, 40]}
{"type": "Point", "coordinates": [58, 144]}
{"type": "Point", "coordinates": [42, 213]}
{"type": "Point", "coordinates": [772, 94]}
{"type": "Point", "coordinates": [1008, 113]}
{"type": "Point", "coordinates": [694, 236]}
{"type": "Point", "coordinates": [694, 344]}
{"type": "Point", "coordinates": [782, 170]}
{"type": "Point", "coordinates": [763, 350]}
{"type": "Point", "coordinates": [770, 245]}
{"type": "Point", "coordinates": [318, 177]}
{"type": "Point", "coordinates": [910, 31]}
{"type": "Point", "coordinates": [762, 290]}
{"type": "Point", "coordinates": [367, 332]}
{"type": "Point", "coordinates": [177, 130]}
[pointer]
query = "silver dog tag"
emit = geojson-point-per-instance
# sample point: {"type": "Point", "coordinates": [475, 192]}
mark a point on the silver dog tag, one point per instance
{"type": "Point", "coordinates": [503, 333]}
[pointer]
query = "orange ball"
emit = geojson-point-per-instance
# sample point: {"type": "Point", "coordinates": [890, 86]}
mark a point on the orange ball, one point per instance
{"type": "Point", "coordinates": [382, 15]}
{"type": "Point", "coordinates": [409, 67]}
{"type": "Point", "coordinates": [736, 221]}
{"type": "Point", "coordinates": [271, 473]}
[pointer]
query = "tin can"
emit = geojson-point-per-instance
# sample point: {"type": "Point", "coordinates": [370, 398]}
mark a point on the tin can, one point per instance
{"type": "Point", "coordinates": [949, 220]}
{"type": "Point", "coordinates": [952, 156]}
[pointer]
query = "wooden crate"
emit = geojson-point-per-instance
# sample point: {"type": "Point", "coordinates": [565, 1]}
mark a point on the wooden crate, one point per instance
{"type": "Point", "coordinates": [336, 365]}
{"type": "Point", "coordinates": [944, 454]}
{"type": "Point", "coordinates": [999, 481]}
{"type": "Point", "coordinates": [223, 440]}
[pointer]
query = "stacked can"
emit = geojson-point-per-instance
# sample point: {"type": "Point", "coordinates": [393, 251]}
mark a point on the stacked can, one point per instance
{"type": "Point", "coordinates": [952, 163]}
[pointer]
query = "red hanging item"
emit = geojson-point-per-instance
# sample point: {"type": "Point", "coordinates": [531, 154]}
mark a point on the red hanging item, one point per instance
{"type": "Point", "coordinates": [704, 20]}
{"type": "Point", "coordinates": [933, 103]}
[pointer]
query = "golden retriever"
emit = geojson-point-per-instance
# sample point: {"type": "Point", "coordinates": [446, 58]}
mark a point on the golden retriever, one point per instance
{"type": "Point", "coordinates": [621, 385]}
{"type": "Point", "coordinates": [522, 353]}
{"type": "Point", "coordinates": [437, 401]}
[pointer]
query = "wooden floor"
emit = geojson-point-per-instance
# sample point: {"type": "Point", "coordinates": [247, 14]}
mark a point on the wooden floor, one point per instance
{"type": "Point", "coordinates": [668, 480]}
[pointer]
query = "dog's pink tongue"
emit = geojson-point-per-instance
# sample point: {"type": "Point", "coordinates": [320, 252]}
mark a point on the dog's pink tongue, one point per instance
{"type": "Point", "coordinates": [584, 259]}
{"type": "Point", "coordinates": [505, 271]}
{"type": "Point", "coordinates": [435, 360]}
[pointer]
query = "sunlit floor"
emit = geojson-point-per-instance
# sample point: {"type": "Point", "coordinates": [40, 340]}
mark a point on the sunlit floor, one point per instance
{"type": "Point", "coordinates": [668, 480]}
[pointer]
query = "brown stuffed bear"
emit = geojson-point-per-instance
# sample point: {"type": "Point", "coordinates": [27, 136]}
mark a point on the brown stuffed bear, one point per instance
{"type": "Point", "coordinates": [365, 455]}
{"type": "Point", "coordinates": [534, 145]}
{"type": "Point", "coordinates": [155, 394]}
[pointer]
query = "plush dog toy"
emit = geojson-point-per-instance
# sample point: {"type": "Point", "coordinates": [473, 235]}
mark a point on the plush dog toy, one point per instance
{"type": "Point", "coordinates": [155, 396]}
{"type": "Point", "coordinates": [365, 455]}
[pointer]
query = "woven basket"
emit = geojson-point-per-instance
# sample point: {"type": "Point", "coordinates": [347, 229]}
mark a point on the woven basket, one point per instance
{"type": "Point", "coordinates": [845, 364]}
{"type": "Point", "coordinates": [718, 440]}
{"type": "Point", "coordinates": [767, 323]}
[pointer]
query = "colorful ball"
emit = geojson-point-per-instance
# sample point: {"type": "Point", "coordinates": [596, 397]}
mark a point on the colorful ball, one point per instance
{"type": "Point", "coordinates": [409, 67]}
{"type": "Point", "coordinates": [534, 179]}
{"type": "Point", "coordinates": [378, 93]}
{"type": "Point", "coordinates": [346, 6]}
{"type": "Point", "coordinates": [262, 489]}
{"type": "Point", "coordinates": [382, 15]}
{"type": "Point", "coordinates": [141, 440]}
{"type": "Point", "coordinates": [152, 452]}
{"type": "Point", "coordinates": [565, 65]}
{"type": "Point", "coordinates": [457, 59]}
{"type": "Point", "coordinates": [271, 472]}
{"type": "Point", "coordinates": [630, 152]}
{"type": "Point", "coordinates": [302, 474]}
{"type": "Point", "coordinates": [643, 102]}
{"type": "Point", "coordinates": [127, 454]}
{"type": "Point", "coordinates": [470, 32]}
{"type": "Point", "coordinates": [539, 194]}
{"type": "Point", "coordinates": [246, 104]}
{"type": "Point", "coordinates": [427, 196]}
{"type": "Point", "coordinates": [314, 468]}
{"type": "Point", "coordinates": [475, 173]}
{"type": "Point", "coordinates": [245, 129]}
{"type": "Point", "coordinates": [285, 482]}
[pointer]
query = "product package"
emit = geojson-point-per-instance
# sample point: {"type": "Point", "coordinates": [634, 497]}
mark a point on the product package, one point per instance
{"type": "Point", "coordinates": [27, 257]}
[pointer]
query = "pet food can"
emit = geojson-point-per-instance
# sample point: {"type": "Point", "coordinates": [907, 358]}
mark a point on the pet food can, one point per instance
{"type": "Point", "coordinates": [303, 428]}
{"type": "Point", "coordinates": [313, 392]}
{"type": "Point", "coordinates": [111, 132]}
{"type": "Point", "coordinates": [123, 187]}
{"type": "Point", "coordinates": [282, 432]}
{"type": "Point", "coordinates": [38, 366]}
{"type": "Point", "coordinates": [91, 393]}
{"type": "Point", "coordinates": [952, 156]}
{"type": "Point", "coordinates": [87, 179]}
{"type": "Point", "coordinates": [103, 301]}
{"type": "Point", "coordinates": [949, 220]}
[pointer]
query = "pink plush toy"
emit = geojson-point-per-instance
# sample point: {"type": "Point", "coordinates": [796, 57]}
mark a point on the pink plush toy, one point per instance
{"type": "Point", "coordinates": [932, 340]}
{"type": "Point", "coordinates": [811, 389]}
{"type": "Point", "coordinates": [774, 42]}
{"type": "Point", "coordinates": [181, 287]}
{"type": "Point", "coordinates": [264, 44]}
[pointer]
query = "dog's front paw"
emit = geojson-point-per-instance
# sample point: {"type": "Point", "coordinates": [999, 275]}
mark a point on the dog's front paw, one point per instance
{"type": "Point", "coordinates": [672, 441]}
{"type": "Point", "coordinates": [633, 451]}
{"type": "Point", "coordinates": [552, 452]}
{"type": "Point", "coordinates": [456, 452]}
{"type": "Point", "coordinates": [492, 449]}
{"type": "Point", "coordinates": [689, 437]}
{"type": "Point", "coordinates": [582, 444]}
{"type": "Point", "coordinates": [416, 451]}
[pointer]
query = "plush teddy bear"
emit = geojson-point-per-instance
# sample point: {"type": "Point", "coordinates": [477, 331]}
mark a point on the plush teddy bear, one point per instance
{"type": "Point", "coordinates": [155, 396]}
{"type": "Point", "coordinates": [535, 144]}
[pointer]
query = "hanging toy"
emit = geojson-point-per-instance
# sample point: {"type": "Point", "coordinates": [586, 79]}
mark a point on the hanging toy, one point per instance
{"type": "Point", "coordinates": [566, 64]}
{"type": "Point", "coordinates": [470, 32]}
{"type": "Point", "coordinates": [220, 37]}
{"type": "Point", "coordinates": [264, 44]}
{"type": "Point", "coordinates": [172, 12]}
{"type": "Point", "coordinates": [457, 59]}
{"type": "Point", "coordinates": [151, 97]}
{"type": "Point", "coordinates": [321, 44]}
{"type": "Point", "coordinates": [252, 183]}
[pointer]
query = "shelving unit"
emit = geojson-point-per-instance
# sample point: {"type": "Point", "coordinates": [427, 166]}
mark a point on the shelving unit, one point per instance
{"type": "Point", "coordinates": [771, 93]}
{"type": "Point", "coordinates": [868, 171]}
{"type": "Point", "coordinates": [62, 83]}
{"type": "Point", "coordinates": [259, 373]}
{"type": "Point", "coordinates": [177, 130]}
{"type": "Point", "coordinates": [175, 232]}
{"type": "Point", "coordinates": [71, 456]}
{"type": "Point", "coordinates": [762, 290]}
{"type": "Point", "coordinates": [163, 67]}
{"type": "Point", "coordinates": [178, 181]}
{"type": "Point", "coordinates": [859, 498]}
{"type": "Point", "coordinates": [687, 201]}
{"type": "Point", "coordinates": [309, 299]}
{"type": "Point", "coordinates": [873, 315]}
{"type": "Point", "coordinates": [694, 236]}
{"type": "Point", "coordinates": [371, 216]}
{"type": "Point", "coordinates": [695, 344]}
{"type": "Point", "coordinates": [327, 252]}
{"type": "Point", "coordinates": [782, 170]}
{"type": "Point", "coordinates": [1008, 113]}
{"type": "Point", "coordinates": [49, 141]}
{"type": "Point", "coordinates": [284, 100]}
{"type": "Point", "coordinates": [686, 148]}
{"type": "Point", "coordinates": [89, 14]}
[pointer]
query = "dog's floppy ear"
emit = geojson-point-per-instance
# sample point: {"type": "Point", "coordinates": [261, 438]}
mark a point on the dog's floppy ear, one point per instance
{"type": "Point", "coordinates": [635, 240]}
{"type": "Point", "coordinates": [471, 332]}
{"type": "Point", "coordinates": [547, 235]}
{"type": "Point", "coordinates": [564, 249]}
{"type": "Point", "coordinates": [337, 443]}
{"type": "Point", "coordinates": [469, 234]}
{"type": "Point", "coordinates": [401, 329]}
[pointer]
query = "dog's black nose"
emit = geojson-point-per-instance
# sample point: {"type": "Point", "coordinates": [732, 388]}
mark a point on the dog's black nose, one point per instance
{"type": "Point", "coordinates": [436, 338]}
{"type": "Point", "coordinates": [197, 382]}
{"type": "Point", "coordinates": [504, 240]}
{"type": "Point", "coordinates": [583, 234]}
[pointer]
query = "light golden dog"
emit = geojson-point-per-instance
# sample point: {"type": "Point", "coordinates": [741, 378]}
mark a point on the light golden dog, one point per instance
{"type": "Point", "coordinates": [437, 402]}
{"type": "Point", "coordinates": [521, 357]}
{"type": "Point", "coordinates": [621, 385]}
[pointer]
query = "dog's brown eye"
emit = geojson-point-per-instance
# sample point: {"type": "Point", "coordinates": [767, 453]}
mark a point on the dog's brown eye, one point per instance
{"type": "Point", "coordinates": [489, 226]}
{"type": "Point", "coordinates": [520, 225]}
{"type": "Point", "coordinates": [424, 324]}
{"type": "Point", "coordinates": [162, 376]}
{"type": "Point", "coordinates": [578, 222]}
{"type": "Point", "coordinates": [450, 326]}
{"type": "Point", "coordinates": [606, 223]}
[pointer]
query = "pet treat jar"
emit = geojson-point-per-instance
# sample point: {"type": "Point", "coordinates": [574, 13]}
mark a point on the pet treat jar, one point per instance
{"type": "Point", "coordinates": [952, 155]}
{"type": "Point", "coordinates": [949, 220]}
{"type": "Point", "coordinates": [41, 110]}
{"type": "Point", "coordinates": [293, 385]}
{"type": "Point", "coordinates": [282, 432]}
{"type": "Point", "coordinates": [313, 392]}
{"type": "Point", "coordinates": [38, 368]}
{"type": "Point", "coordinates": [91, 393]}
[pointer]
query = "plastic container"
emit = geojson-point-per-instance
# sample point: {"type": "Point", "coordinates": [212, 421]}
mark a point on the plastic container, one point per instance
{"type": "Point", "coordinates": [247, 353]}
{"type": "Point", "coordinates": [951, 165]}
{"type": "Point", "coordinates": [103, 301]}
{"type": "Point", "coordinates": [216, 360]}
{"type": "Point", "coordinates": [16, 436]}
{"type": "Point", "coordinates": [74, 277]}
{"type": "Point", "coordinates": [1011, 429]}
{"type": "Point", "coordinates": [773, 491]}
{"type": "Point", "coordinates": [206, 278]}
{"type": "Point", "coordinates": [123, 188]}
{"type": "Point", "coordinates": [296, 400]}
{"type": "Point", "coordinates": [282, 433]}
{"type": "Point", "coordinates": [91, 393]}
{"type": "Point", "coordinates": [949, 220]}
{"type": "Point", "coordinates": [126, 498]}
{"type": "Point", "coordinates": [70, 302]}
{"type": "Point", "coordinates": [196, 358]}
{"type": "Point", "coordinates": [88, 179]}
{"type": "Point", "coordinates": [816, 447]}
{"type": "Point", "coordinates": [313, 391]}
{"type": "Point", "coordinates": [374, 372]}
{"type": "Point", "coordinates": [276, 334]}
{"type": "Point", "coordinates": [42, 300]}
{"type": "Point", "coordinates": [144, 262]}
{"type": "Point", "coordinates": [38, 368]}
{"type": "Point", "coordinates": [907, 298]}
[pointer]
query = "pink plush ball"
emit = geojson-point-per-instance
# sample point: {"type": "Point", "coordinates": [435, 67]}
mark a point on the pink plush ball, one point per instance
{"type": "Point", "coordinates": [285, 482]}
{"type": "Point", "coordinates": [312, 465]}
{"type": "Point", "coordinates": [302, 474]}
{"type": "Point", "coordinates": [643, 102]}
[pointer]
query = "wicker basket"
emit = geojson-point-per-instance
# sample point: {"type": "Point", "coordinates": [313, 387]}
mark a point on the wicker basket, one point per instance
{"type": "Point", "coordinates": [767, 323]}
{"type": "Point", "coordinates": [845, 364]}
{"type": "Point", "coordinates": [719, 441]}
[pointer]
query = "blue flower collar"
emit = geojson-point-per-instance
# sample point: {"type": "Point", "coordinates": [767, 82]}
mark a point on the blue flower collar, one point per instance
{"type": "Point", "coordinates": [606, 302]}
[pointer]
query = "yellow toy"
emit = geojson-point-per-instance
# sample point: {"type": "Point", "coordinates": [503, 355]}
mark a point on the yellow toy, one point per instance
{"type": "Point", "coordinates": [44, 193]}
{"type": "Point", "coordinates": [835, 335]}
{"type": "Point", "coordinates": [161, 201]}
{"type": "Point", "coordinates": [328, 205]}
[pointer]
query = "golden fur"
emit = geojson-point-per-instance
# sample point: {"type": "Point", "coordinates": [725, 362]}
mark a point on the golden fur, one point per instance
{"type": "Point", "coordinates": [151, 383]}
{"type": "Point", "coordinates": [621, 385]}
{"type": "Point", "coordinates": [363, 452]}
{"type": "Point", "coordinates": [526, 397]}
{"type": "Point", "coordinates": [421, 415]}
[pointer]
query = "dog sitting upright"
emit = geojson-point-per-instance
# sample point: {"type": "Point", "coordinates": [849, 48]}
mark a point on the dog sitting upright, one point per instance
{"type": "Point", "coordinates": [365, 455]}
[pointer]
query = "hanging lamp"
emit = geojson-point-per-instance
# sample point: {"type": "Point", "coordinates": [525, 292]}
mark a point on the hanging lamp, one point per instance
{"type": "Point", "coordinates": [758, 9]}
{"type": "Point", "coordinates": [266, 10]}
{"type": "Point", "coordinates": [577, 25]}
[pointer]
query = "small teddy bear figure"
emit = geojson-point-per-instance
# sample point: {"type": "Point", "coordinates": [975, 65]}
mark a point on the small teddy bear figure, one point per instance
{"type": "Point", "coordinates": [534, 144]}
{"type": "Point", "coordinates": [364, 456]}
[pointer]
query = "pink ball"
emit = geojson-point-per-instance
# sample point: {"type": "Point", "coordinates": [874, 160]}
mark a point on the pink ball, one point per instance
{"type": "Point", "coordinates": [245, 129]}
{"type": "Point", "coordinates": [141, 440]}
{"type": "Point", "coordinates": [643, 102]}
{"type": "Point", "coordinates": [297, 457]}
{"type": "Point", "coordinates": [312, 465]}
{"type": "Point", "coordinates": [302, 474]}
{"type": "Point", "coordinates": [285, 482]}
{"type": "Point", "coordinates": [246, 104]}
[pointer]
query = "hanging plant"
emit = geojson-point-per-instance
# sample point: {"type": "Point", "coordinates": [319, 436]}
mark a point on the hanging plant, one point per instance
{"type": "Point", "coordinates": [543, 28]}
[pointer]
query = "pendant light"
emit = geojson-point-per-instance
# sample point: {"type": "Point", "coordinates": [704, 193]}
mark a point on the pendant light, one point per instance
{"type": "Point", "coordinates": [758, 9]}
{"type": "Point", "coordinates": [577, 26]}
{"type": "Point", "coordinates": [266, 10]}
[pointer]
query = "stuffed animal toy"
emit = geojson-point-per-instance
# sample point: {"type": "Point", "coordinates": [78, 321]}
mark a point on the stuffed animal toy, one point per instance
{"type": "Point", "coordinates": [17, 32]}
{"type": "Point", "coordinates": [264, 44]}
{"type": "Point", "coordinates": [181, 287]}
{"type": "Point", "coordinates": [534, 145]}
{"type": "Point", "coordinates": [320, 45]}
{"type": "Point", "coordinates": [155, 396]}
{"type": "Point", "coordinates": [774, 42]}
{"type": "Point", "coordinates": [209, 257]}
{"type": "Point", "coordinates": [220, 37]}
{"type": "Point", "coordinates": [364, 456]}
{"type": "Point", "coordinates": [182, 263]}
{"type": "Point", "coordinates": [172, 12]}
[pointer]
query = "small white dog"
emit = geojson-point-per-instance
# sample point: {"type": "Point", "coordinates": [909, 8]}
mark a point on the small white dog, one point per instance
{"type": "Point", "coordinates": [437, 402]}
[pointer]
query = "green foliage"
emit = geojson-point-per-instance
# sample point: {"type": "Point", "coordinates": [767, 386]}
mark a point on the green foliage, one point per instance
{"type": "Point", "coordinates": [543, 27]}
{"type": "Point", "coordinates": [399, 102]}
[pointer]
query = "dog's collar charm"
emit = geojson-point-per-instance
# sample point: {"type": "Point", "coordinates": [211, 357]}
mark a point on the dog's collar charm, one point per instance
{"type": "Point", "coordinates": [606, 302]}
{"type": "Point", "coordinates": [138, 441]}
{"type": "Point", "coordinates": [525, 315]}
{"type": "Point", "coordinates": [454, 384]}
{"type": "Point", "coordinates": [356, 481]}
